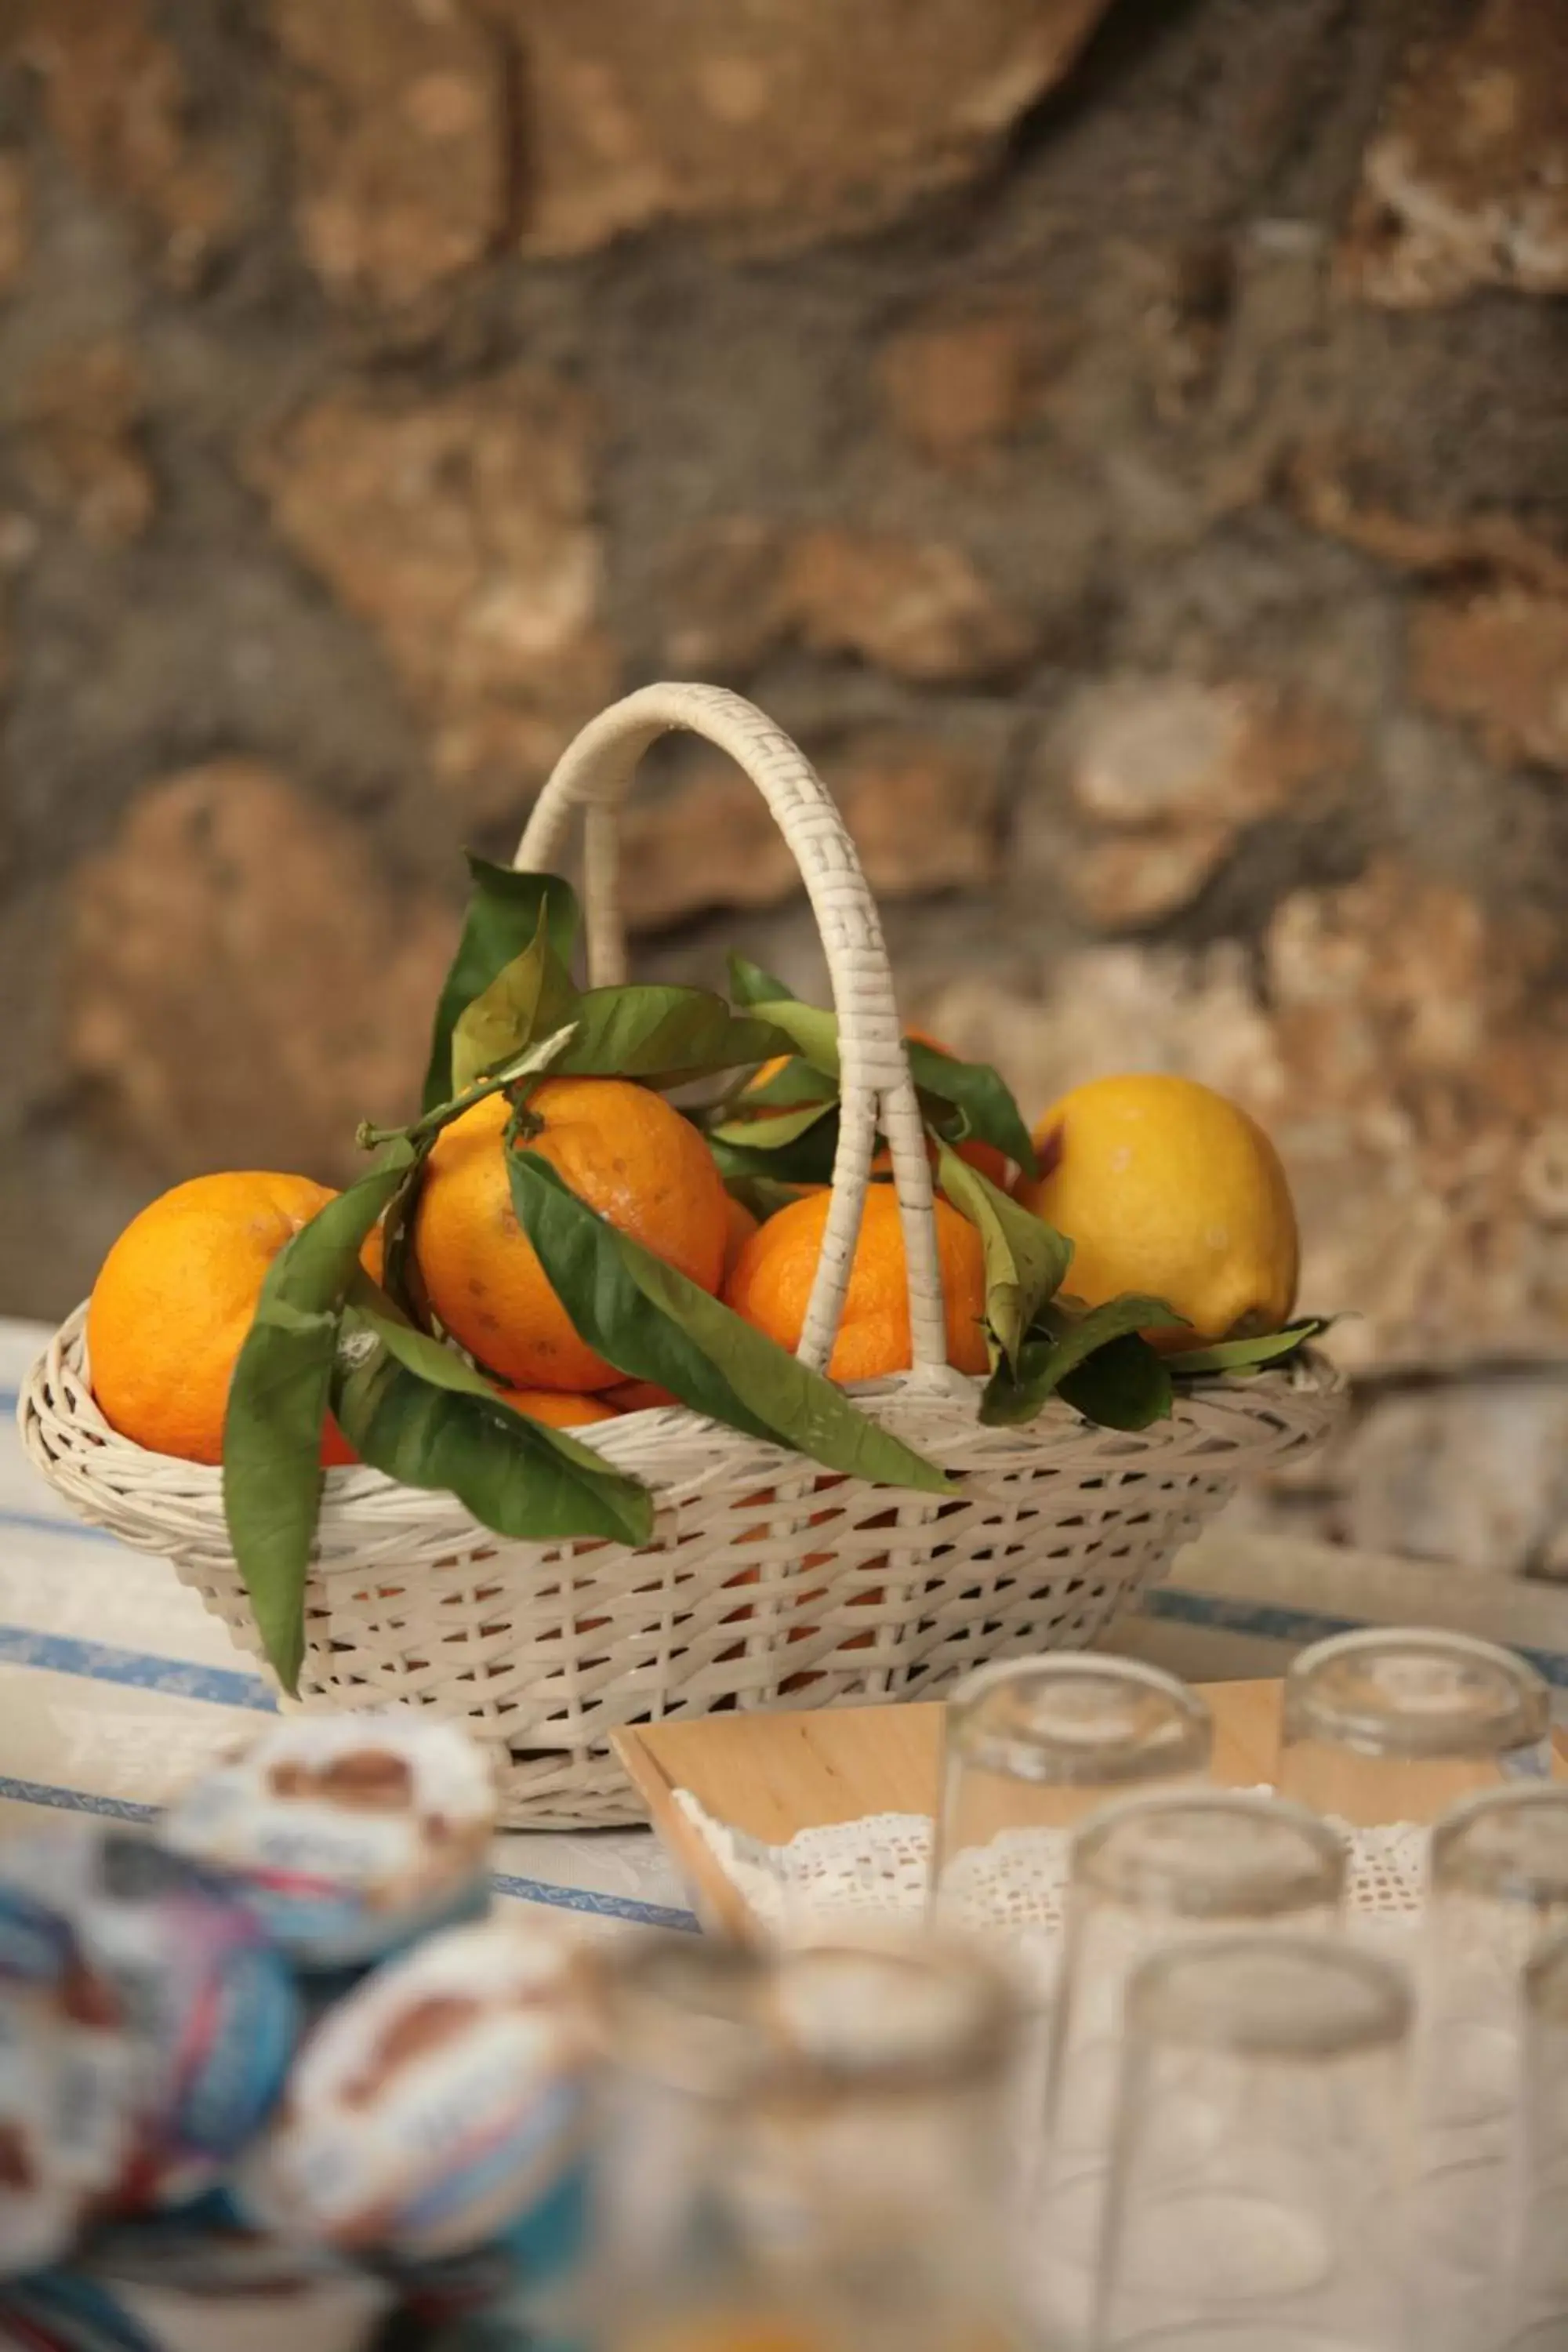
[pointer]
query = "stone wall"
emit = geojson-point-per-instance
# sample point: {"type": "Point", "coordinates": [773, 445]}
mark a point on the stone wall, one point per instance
{"type": "Point", "coordinates": [1127, 444]}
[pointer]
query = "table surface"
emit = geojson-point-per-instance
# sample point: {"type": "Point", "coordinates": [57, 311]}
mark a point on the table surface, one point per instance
{"type": "Point", "coordinates": [772, 1776]}
{"type": "Point", "coordinates": [116, 1687]}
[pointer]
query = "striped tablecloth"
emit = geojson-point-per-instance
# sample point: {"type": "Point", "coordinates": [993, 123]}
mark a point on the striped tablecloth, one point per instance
{"type": "Point", "coordinates": [116, 1686]}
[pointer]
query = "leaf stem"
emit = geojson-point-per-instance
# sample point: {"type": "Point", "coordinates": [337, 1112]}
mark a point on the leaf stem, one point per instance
{"type": "Point", "coordinates": [521, 1065]}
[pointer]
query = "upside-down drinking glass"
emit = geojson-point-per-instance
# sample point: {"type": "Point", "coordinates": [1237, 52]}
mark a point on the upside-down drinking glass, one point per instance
{"type": "Point", "coordinates": [802, 2153]}
{"type": "Point", "coordinates": [1260, 2145]}
{"type": "Point", "coordinates": [1166, 1868]}
{"type": "Point", "coordinates": [1498, 1898]}
{"type": "Point", "coordinates": [1035, 1744]}
{"type": "Point", "coordinates": [1394, 1723]}
{"type": "Point", "coordinates": [1540, 2261]}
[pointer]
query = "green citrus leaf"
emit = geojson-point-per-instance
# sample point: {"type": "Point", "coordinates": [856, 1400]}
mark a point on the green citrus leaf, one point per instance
{"type": "Point", "coordinates": [1025, 1259]}
{"type": "Point", "coordinates": [663, 1035]}
{"type": "Point", "coordinates": [808, 1161]}
{"type": "Point", "coordinates": [1078, 1330]}
{"type": "Point", "coordinates": [1050, 1354]}
{"type": "Point", "coordinates": [529, 997]}
{"type": "Point", "coordinates": [1123, 1385]}
{"type": "Point", "coordinates": [278, 1403]}
{"type": "Point", "coordinates": [414, 1408]}
{"type": "Point", "coordinates": [272, 1470]}
{"type": "Point", "coordinates": [981, 1094]}
{"type": "Point", "coordinates": [1250, 1355]}
{"type": "Point", "coordinates": [318, 1267]}
{"type": "Point", "coordinates": [772, 1134]}
{"type": "Point", "coordinates": [1016, 1393]}
{"type": "Point", "coordinates": [654, 1324]}
{"type": "Point", "coordinates": [501, 920]}
{"type": "Point", "coordinates": [431, 1359]}
{"type": "Point", "coordinates": [973, 1089]}
{"type": "Point", "coordinates": [750, 985]}
{"type": "Point", "coordinates": [814, 1034]}
{"type": "Point", "coordinates": [790, 1087]}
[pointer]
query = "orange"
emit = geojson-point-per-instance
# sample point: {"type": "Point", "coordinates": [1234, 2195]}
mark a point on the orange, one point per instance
{"type": "Point", "coordinates": [638, 1396]}
{"type": "Point", "coordinates": [176, 1295]}
{"type": "Point", "coordinates": [623, 1150]}
{"type": "Point", "coordinates": [561, 1410]}
{"type": "Point", "coordinates": [1166, 1187]}
{"type": "Point", "coordinates": [771, 1284]}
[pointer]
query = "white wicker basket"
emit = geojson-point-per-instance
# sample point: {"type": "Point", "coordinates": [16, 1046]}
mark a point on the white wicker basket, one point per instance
{"type": "Point", "coordinates": [769, 1582]}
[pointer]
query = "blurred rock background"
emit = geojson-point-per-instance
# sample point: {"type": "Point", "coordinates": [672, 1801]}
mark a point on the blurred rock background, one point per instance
{"type": "Point", "coordinates": [1127, 444]}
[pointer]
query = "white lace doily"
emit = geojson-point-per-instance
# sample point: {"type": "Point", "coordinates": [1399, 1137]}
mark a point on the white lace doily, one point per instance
{"type": "Point", "coordinates": [876, 1869]}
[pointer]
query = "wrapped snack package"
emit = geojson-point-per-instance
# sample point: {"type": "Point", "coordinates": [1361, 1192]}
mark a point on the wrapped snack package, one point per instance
{"type": "Point", "coordinates": [67, 2130]}
{"type": "Point", "coordinates": [154, 1993]}
{"type": "Point", "coordinates": [63, 2311]}
{"type": "Point", "coordinates": [78, 2309]}
{"type": "Point", "coordinates": [208, 2002]}
{"type": "Point", "coordinates": [346, 1836]}
{"type": "Point", "coordinates": [439, 2114]}
{"type": "Point", "coordinates": [198, 2277]}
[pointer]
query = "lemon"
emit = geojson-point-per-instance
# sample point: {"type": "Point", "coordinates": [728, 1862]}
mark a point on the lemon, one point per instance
{"type": "Point", "coordinates": [1164, 1186]}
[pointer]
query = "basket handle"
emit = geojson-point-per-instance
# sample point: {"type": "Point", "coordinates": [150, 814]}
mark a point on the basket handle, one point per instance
{"type": "Point", "coordinates": [595, 773]}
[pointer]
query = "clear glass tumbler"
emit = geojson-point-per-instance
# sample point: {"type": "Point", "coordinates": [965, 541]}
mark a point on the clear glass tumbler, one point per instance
{"type": "Point", "coordinates": [801, 2153]}
{"type": "Point", "coordinates": [1162, 1869]}
{"type": "Point", "coordinates": [878, 2155]}
{"type": "Point", "coordinates": [1395, 1724]}
{"type": "Point", "coordinates": [1259, 2152]}
{"type": "Point", "coordinates": [1540, 2199]}
{"type": "Point", "coordinates": [1498, 1895]}
{"type": "Point", "coordinates": [1034, 1746]}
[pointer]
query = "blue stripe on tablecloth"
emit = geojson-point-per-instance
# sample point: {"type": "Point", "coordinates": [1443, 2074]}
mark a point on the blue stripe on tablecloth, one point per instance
{"type": "Point", "coordinates": [10, 1400]}
{"type": "Point", "coordinates": [103, 1662]}
{"type": "Point", "coordinates": [1272, 1621]}
{"type": "Point", "coordinates": [74, 1800]}
{"type": "Point", "coordinates": [36, 1523]}
{"type": "Point", "coordinates": [600, 1906]}
{"type": "Point", "coordinates": [526, 1890]}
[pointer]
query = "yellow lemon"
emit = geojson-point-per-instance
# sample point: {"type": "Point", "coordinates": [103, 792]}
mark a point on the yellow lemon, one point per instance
{"type": "Point", "coordinates": [1163, 1186]}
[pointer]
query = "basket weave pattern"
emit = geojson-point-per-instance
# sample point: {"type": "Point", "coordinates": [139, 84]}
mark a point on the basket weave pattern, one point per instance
{"type": "Point", "coordinates": [769, 1582]}
{"type": "Point", "coordinates": [546, 1649]}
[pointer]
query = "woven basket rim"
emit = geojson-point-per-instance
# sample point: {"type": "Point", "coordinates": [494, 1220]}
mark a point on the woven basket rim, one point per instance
{"type": "Point", "coordinates": [545, 1648]}
{"type": "Point", "coordinates": [100, 1444]}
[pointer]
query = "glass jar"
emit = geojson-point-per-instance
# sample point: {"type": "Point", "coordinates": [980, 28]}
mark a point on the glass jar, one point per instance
{"type": "Point", "coordinates": [807, 2153]}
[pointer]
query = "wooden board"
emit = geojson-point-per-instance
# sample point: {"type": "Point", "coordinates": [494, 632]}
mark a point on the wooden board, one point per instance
{"type": "Point", "coordinates": [773, 1775]}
